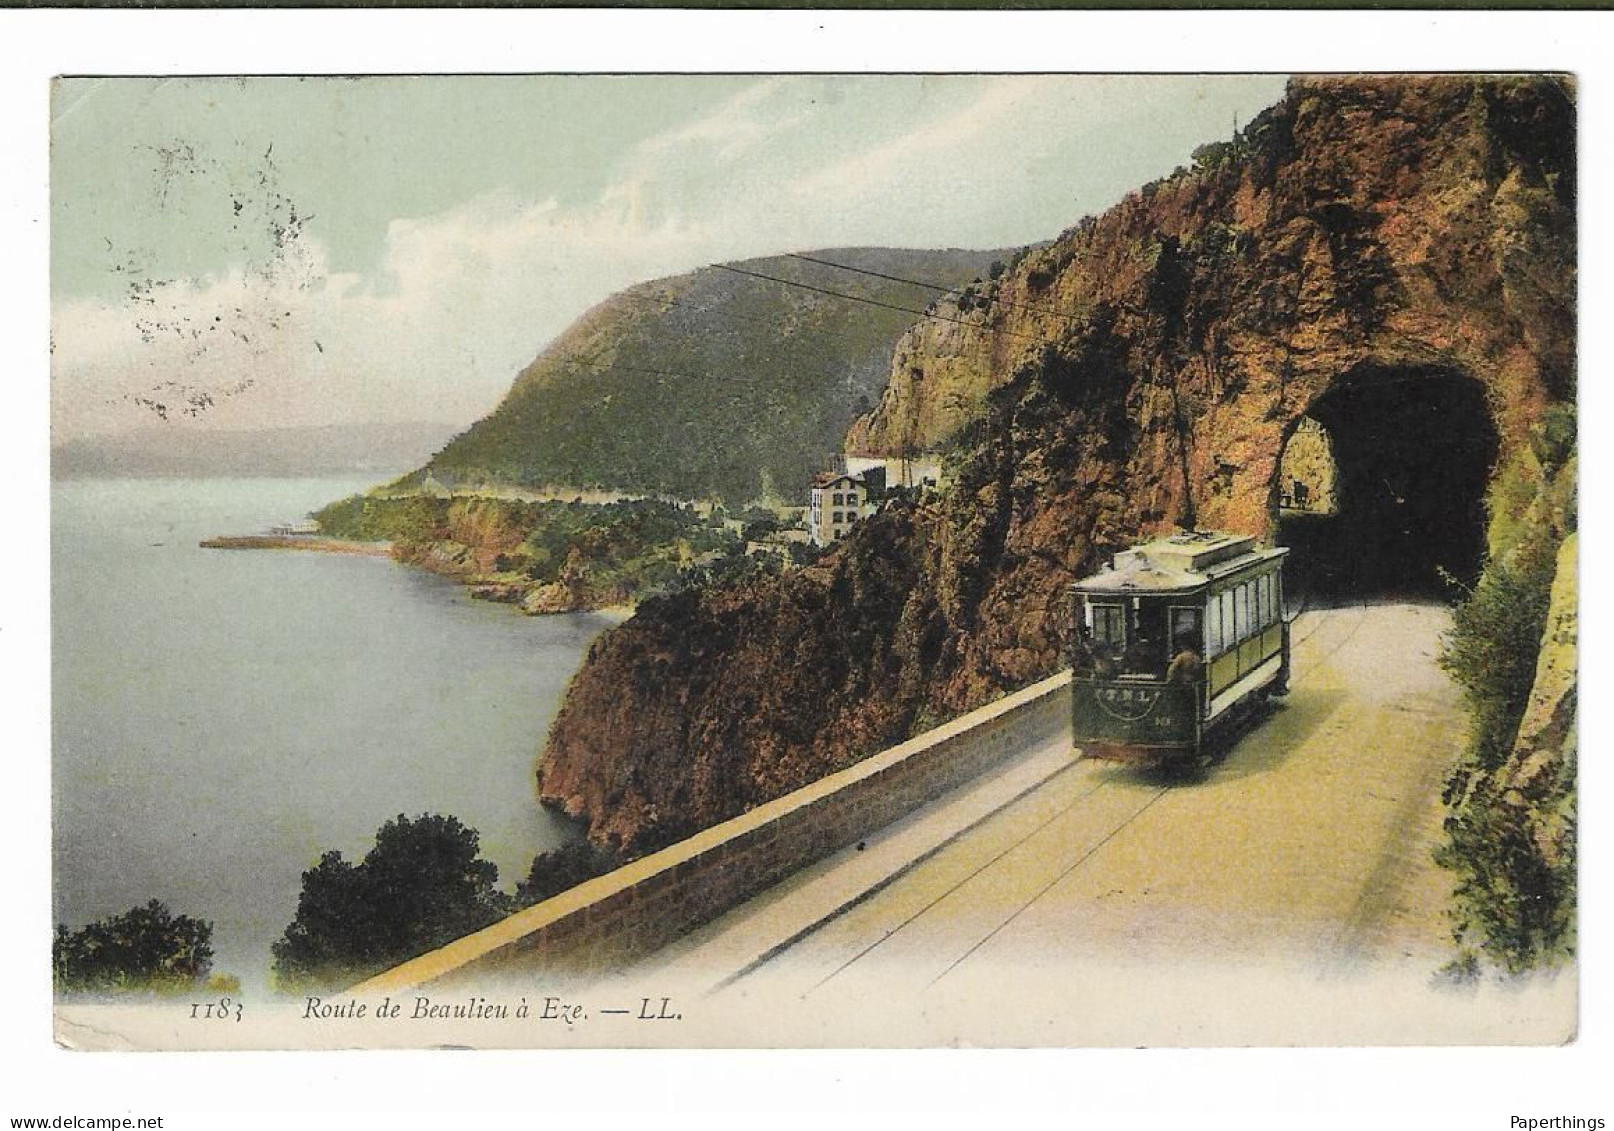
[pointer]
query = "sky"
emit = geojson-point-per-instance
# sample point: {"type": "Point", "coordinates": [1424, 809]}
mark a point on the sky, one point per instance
{"type": "Point", "coordinates": [266, 252]}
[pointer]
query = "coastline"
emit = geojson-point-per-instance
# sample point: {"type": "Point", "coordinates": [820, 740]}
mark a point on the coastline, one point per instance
{"type": "Point", "coordinates": [557, 601]}
{"type": "Point", "coordinates": [298, 542]}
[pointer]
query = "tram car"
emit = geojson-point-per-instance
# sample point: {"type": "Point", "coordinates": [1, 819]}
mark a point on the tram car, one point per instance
{"type": "Point", "coordinates": [1173, 643]}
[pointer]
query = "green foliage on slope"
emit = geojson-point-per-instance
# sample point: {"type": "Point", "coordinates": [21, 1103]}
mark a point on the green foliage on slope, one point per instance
{"type": "Point", "coordinates": [1511, 798]}
{"type": "Point", "coordinates": [712, 384]}
{"type": "Point", "coordinates": [600, 553]}
{"type": "Point", "coordinates": [561, 869]}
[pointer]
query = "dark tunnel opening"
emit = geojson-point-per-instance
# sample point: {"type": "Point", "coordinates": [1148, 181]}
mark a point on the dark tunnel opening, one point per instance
{"type": "Point", "coordinates": [1412, 451]}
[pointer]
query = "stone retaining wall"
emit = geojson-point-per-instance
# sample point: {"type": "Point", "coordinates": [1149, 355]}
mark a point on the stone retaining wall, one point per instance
{"type": "Point", "coordinates": [642, 906]}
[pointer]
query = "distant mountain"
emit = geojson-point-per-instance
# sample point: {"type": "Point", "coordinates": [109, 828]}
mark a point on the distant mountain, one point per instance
{"type": "Point", "coordinates": [713, 384]}
{"type": "Point", "coordinates": [178, 452]}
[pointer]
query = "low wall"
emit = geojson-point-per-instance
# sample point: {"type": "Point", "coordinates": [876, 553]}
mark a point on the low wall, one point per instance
{"type": "Point", "coordinates": [644, 905]}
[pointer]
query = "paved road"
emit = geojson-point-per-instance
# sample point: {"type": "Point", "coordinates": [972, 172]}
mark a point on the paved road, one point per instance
{"type": "Point", "coordinates": [1307, 849]}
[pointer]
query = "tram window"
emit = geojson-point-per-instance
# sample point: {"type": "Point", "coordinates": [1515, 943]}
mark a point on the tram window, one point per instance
{"type": "Point", "coordinates": [1185, 628]}
{"type": "Point", "coordinates": [1109, 624]}
{"type": "Point", "coordinates": [1263, 613]}
{"type": "Point", "coordinates": [1241, 612]}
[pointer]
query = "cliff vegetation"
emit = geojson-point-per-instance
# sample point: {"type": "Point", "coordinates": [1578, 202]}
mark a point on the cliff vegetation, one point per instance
{"type": "Point", "coordinates": [1511, 798]}
{"type": "Point", "coordinates": [545, 556]}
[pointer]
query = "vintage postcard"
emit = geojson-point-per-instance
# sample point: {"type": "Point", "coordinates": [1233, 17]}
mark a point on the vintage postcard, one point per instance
{"type": "Point", "coordinates": [814, 560]}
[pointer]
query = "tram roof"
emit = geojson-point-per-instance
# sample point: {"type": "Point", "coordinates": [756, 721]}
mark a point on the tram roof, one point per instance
{"type": "Point", "coordinates": [1181, 561]}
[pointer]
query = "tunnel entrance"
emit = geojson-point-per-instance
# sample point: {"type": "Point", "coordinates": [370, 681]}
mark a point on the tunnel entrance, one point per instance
{"type": "Point", "coordinates": [1382, 486]}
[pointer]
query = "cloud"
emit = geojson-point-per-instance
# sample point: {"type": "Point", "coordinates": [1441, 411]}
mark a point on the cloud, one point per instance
{"type": "Point", "coordinates": [932, 143]}
{"type": "Point", "coordinates": [736, 126]}
{"type": "Point", "coordinates": [461, 302]}
{"type": "Point", "coordinates": [462, 299]}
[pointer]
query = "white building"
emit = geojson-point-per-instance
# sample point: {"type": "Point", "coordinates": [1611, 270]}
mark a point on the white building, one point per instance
{"type": "Point", "coordinates": [834, 505]}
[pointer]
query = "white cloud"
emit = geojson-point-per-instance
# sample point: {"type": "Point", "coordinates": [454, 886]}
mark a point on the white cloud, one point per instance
{"type": "Point", "coordinates": [464, 298]}
{"type": "Point", "coordinates": [736, 126]}
{"type": "Point", "coordinates": [926, 148]}
{"type": "Point", "coordinates": [462, 301]}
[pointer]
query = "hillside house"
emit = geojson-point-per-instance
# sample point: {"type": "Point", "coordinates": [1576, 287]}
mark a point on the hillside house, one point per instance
{"type": "Point", "coordinates": [835, 504]}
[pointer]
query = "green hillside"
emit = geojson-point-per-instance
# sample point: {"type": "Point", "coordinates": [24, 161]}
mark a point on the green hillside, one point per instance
{"type": "Point", "coordinates": [713, 384]}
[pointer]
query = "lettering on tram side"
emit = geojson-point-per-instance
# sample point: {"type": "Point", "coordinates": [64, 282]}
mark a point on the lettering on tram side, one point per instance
{"type": "Point", "coordinates": [538, 1009]}
{"type": "Point", "coordinates": [1129, 704]}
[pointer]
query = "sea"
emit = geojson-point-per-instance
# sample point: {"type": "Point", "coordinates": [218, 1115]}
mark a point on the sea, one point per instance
{"type": "Point", "coordinates": [221, 718]}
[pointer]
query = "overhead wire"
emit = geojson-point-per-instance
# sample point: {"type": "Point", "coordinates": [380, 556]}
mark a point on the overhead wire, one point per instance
{"type": "Point", "coordinates": [932, 315]}
{"type": "Point", "coordinates": [928, 285]}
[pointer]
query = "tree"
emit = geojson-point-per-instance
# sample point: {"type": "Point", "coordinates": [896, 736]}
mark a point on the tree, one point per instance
{"type": "Point", "coordinates": [422, 886]}
{"type": "Point", "coordinates": [561, 869]}
{"type": "Point", "coordinates": [145, 949]}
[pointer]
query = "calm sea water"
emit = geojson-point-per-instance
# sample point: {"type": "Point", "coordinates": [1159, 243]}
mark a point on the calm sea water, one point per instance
{"type": "Point", "coordinates": [223, 717]}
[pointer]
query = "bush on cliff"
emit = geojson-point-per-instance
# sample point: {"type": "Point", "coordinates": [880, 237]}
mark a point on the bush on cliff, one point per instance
{"type": "Point", "coordinates": [423, 885]}
{"type": "Point", "coordinates": [561, 869]}
{"type": "Point", "coordinates": [1512, 853]}
{"type": "Point", "coordinates": [146, 949]}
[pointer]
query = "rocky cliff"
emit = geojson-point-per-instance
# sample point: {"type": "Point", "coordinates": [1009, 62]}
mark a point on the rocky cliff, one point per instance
{"type": "Point", "coordinates": [1364, 243]}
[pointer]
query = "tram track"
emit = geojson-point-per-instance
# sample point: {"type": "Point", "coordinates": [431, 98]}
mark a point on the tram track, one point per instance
{"type": "Point", "coordinates": [924, 918]}
{"type": "Point", "coordinates": [1051, 884]}
{"type": "Point", "coordinates": [973, 874]}
{"type": "Point", "coordinates": [1305, 854]}
{"type": "Point", "coordinates": [1086, 856]}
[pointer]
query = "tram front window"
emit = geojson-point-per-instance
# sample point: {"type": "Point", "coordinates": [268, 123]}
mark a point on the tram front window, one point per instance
{"type": "Point", "coordinates": [1109, 627]}
{"type": "Point", "coordinates": [1146, 648]}
{"type": "Point", "coordinates": [1101, 639]}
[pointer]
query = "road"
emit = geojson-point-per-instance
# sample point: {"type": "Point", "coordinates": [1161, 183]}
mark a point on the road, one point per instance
{"type": "Point", "coordinates": [1303, 858]}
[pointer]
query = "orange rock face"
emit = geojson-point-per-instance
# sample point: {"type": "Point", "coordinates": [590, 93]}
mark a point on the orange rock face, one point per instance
{"type": "Point", "coordinates": [1142, 371]}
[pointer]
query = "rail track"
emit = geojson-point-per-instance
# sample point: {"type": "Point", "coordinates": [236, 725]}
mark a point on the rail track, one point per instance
{"type": "Point", "coordinates": [1084, 858]}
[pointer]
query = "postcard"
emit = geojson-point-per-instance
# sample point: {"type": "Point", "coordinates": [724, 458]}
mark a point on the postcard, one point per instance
{"type": "Point", "coordinates": [834, 560]}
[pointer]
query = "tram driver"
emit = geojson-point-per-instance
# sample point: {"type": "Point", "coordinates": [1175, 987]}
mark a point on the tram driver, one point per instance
{"type": "Point", "coordinates": [1186, 665]}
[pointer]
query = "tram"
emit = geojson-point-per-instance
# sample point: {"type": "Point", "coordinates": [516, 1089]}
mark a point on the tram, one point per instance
{"type": "Point", "coordinates": [1173, 643]}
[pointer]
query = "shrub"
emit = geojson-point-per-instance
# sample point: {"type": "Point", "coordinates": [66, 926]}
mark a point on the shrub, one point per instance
{"type": "Point", "coordinates": [561, 869]}
{"type": "Point", "coordinates": [146, 949]}
{"type": "Point", "coordinates": [1511, 850]}
{"type": "Point", "coordinates": [423, 885]}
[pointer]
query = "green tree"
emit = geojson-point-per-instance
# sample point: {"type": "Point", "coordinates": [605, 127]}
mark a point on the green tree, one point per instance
{"type": "Point", "coordinates": [424, 884]}
{"type": "Point", "coordinates": [146, 949]}
{"type": "Point", "coordinates": [561, 869]}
